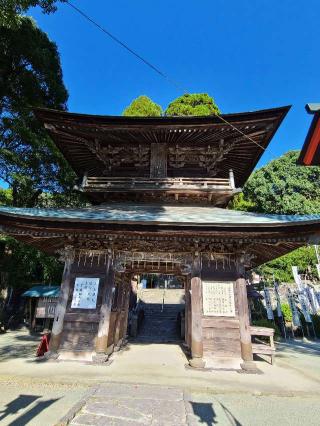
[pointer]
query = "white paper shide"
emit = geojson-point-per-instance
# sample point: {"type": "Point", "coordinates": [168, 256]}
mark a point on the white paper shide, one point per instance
{"type": "Point", "coordinates": [218, 299]}
{"type": "Point", "coordinates": [85, 293]}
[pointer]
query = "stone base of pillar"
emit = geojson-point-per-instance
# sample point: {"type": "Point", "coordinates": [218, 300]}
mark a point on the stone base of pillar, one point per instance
{"type": "Point", "coordinates": [249, 367]}
{"type": "Point", "coordinates": [51, 355]}
{"type": "Point", "coordinates": [98, 358]}
{"type": "Point", "coordinates": [197, 363]}
{"type": "Point", "coordinates": [118, 346]}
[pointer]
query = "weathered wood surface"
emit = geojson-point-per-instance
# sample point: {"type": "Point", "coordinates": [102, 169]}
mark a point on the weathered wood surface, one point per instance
{"type": "Point", "coordinates": [245, 333]}
{"type": "Point", "coordinates": [105, 311]}
{"type": "Point", "coordinates": [158, 160]}
{"type": "Point", "coordinates": [209, 322]}
{"type": "Point", "coordinates": [77, 136]}
{"type": "Point", "coordinates": [196, 328]}
{"type": "Point", "coordinates": [81, 317]}
{"type": "Point", "coordinates": [261, 331]}
{"type": "Point", "coordinates": [57, 327]}
{"type": "Point", "coordinates": [112, 328]}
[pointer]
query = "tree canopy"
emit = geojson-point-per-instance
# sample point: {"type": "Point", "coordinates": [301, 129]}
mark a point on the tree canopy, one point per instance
{"type": "Point", "coordinates": [30, 76]}
{"type": "Point", "coordinates": [283, 187]}
{"type": "Point", "coordinates": [11, 10]}
{"type": "Point", "coordinates": [143, 107]}
{"type": "Point", "coordinates": [192, 104]}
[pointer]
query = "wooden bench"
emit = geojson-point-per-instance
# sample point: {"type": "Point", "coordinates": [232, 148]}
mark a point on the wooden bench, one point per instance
{"type": "Point", "coordinates": [260, 347]}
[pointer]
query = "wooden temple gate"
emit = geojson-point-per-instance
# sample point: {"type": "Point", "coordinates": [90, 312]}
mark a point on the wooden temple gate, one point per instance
{"type": "Point", "coordinates": [93, 334]}
{"type": "Point", "coordinates": [159, 188]}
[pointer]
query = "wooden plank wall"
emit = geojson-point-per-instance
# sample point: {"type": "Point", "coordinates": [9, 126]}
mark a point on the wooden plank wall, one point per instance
{"type": "Point", "coordinates": [221, 335]}
{"type": "Point", "coordinates": [81, 325]}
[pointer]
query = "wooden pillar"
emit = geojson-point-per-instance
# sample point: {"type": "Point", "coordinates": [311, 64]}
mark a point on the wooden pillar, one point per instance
{"type": "Point", "coordinates": [67, 254]}
{"type": "Point", "coordinates": [187, 313]}
{"type": "Point", "coordinates": [244, 322]}
{"type": "Point", "coordinates": [105, 311]}
{"type": "Point", "coordinates": [120, 302]}
{"type": "Point", "coordinates": [196, 319]}
{"type": "Point", "coordinates": [126, 308]}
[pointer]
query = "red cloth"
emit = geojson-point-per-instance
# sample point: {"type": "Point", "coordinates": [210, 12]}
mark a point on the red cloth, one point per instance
{"type": "Point", "coordinates": [44, 345]}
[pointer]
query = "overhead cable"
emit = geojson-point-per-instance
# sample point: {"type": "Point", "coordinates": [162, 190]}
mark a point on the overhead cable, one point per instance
{"type": "Point", "coordinates": [153, 67]}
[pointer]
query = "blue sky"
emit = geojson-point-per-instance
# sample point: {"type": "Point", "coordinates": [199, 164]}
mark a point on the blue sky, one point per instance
{"type": "Point", "coordinates": [248, 54]}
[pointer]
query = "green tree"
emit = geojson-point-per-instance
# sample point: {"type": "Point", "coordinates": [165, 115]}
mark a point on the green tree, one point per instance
{"type": "Point", "coordinates": [11, 10]}
{"type": "Point", "coordinates": [281, 268]}
{"type": "Point", "coordinates": [195, 104]}
{"type": "Point", "coordinates": [143, 107]}
{"type": "Point", "coordinates": [30, 76]}
{"type": "Point", "coordinates": [283, 187]}
{"type": "Point", "coordinates": [239, 202]}
{"type": "Point", "coordinates": [26, 265]}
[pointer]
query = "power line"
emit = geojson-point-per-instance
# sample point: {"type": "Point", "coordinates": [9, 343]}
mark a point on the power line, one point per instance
{"type": "Point", "coordinates": [125, 46]}
{"type": "Point", "coordinates": [153, 67]}
{"type": "Point", "coordinates": [240, 131]}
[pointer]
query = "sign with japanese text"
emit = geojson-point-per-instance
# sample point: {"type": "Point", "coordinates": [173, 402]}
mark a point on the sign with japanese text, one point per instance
{"type": "Point", "coordinates": [46, 307]}
{"type": "Point", "coordinates": [218, 299]}
{"type": "Point", "coordinates": [85, 293]}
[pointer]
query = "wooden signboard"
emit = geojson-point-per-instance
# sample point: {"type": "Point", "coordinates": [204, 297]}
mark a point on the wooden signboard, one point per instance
{"type": "Point", "coordinates": [218, 299]}
{"type": "Point", "coordinates": [46, 307]}
{"type": "Point", "coordinates": [85, 293]}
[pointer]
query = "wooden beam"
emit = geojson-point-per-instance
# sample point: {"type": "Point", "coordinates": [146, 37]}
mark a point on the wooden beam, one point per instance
{"type": "Point", "coordinates": [67, 254]}
{"type": "Point", "coordinates": [105, 311]}
{"type": "Point", "coordinates": [245, 334]}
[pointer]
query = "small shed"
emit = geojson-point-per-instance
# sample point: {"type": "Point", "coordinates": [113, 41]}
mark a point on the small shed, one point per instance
{"type": "Point", "coordinates": [42, 305]}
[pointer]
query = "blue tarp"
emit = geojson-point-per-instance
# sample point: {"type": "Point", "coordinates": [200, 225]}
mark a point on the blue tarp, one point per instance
{"type": "Point", "coordinates": [42, 291]}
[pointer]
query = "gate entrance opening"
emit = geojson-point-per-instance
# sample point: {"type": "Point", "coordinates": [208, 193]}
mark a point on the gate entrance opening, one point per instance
{"type": "Point", "coordinates": [160, 309]}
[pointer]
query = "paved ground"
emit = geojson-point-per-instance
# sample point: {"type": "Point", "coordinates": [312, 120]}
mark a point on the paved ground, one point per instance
{"type": "Point", "coordinates": [162, 406]}
{"type": "Point", "coordinates": [41, 393]}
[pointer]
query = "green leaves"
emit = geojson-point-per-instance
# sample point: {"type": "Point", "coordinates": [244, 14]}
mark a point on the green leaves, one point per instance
{"type": "Point", "coordinates": [30, 76]}
{"type": "Point", "coordinates": [143, 107]}
{"type": "Point", "coordinates": [24, 264]}
{"type": "Point", "coordinates": [11, 10]}
{"type": "Point", "coordinates": [196, 104]}
{"type": "Point", "coordinates": [283, 187]}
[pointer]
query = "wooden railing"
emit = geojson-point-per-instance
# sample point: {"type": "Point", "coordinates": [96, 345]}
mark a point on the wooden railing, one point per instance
{"type": "Point", "coordinates": [110, 184]}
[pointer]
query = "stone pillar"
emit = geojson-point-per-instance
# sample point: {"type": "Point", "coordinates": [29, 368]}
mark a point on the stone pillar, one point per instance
{"type": "Point", "coordinates": [245, 335]}
{"type": "Point", "coordinates": [196, 319]}
{"type": "Point", "coordinates": [67, 254]}
{"type": "Point", "coordinates": [105, 311]}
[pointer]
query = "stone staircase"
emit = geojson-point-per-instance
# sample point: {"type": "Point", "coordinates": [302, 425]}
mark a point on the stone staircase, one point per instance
{"type": "Point", "coordinates": [160, 324]}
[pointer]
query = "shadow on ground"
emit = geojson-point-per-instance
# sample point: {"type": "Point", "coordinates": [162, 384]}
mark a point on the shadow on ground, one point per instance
{"type": "Point", "coordinates": [22, 402]}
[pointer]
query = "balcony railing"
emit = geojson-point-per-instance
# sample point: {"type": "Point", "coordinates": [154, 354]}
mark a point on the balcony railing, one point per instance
{"type": "Point", "coordinates": [176, 185]}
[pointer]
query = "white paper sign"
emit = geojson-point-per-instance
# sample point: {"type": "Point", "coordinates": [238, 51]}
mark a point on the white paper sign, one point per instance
{"type": "Point", "coordinates": [85, 293]}
{"type": "Point", "coordinates": [218, 299]}
{"type": "Point", "coordinates": [304, 306]}
{"type": "Point", "coordinates": [297, 278]}
{"type": "Point", "coordinates": [267, 300]}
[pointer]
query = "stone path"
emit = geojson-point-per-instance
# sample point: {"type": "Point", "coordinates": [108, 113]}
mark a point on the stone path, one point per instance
{"type": "Point", "coordinates": [124, 404]}
{"type": "Point", "coordinates": [128, 404]}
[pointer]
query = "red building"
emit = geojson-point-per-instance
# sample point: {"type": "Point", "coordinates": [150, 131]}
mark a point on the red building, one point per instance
{"type": "Point", "coordinates": [310, 153]}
